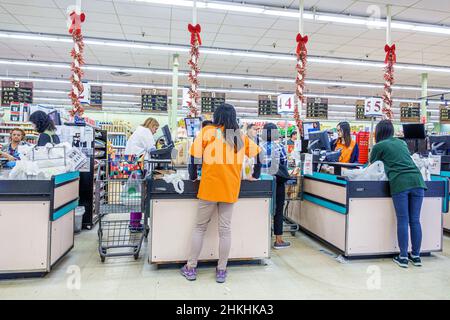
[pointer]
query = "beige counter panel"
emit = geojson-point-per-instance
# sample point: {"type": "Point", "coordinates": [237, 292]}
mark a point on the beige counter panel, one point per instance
{"type": "Point", "coordinates": [372, 226]}
{"type": "Point", "coordinates": [326, 224]}
{"type": "Point", "coordinates": [62, 236]}
{"type": "Point", "coordinates": [447, 221]}
{"type": "Point", "coordinates": [24, 235]}
{"type": "Point", "coordinates": [172, 223]}
{"type": "Point", "coordinates": [326, 190]}
{"type": "Point", "coordinates": [66, 193]}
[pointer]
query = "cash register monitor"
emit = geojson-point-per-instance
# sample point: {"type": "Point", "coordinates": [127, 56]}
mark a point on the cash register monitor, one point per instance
{"type": "Point", "coordinates": [414, 131]}
{"type": "Point", "coordinates": [310, 127]}
{"type": "Point", "coordinates": [165, 152]}
{"type": "Point", "coordinates": [319, 141]}
{"type": "Point", "coordinates": [440, 145]}
{"type": "Point", "coordinates": [193, 126]}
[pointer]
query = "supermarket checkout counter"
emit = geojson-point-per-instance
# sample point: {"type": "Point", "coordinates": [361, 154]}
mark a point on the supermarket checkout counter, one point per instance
{"type": "Point", "coordinates": [172, 217]}
{"type": "Point", "coordinates": [446, 220]}
{"type": "Point", "coordinates": [36, 223]}
{"type": "Point", "coordinates": [358, 217]}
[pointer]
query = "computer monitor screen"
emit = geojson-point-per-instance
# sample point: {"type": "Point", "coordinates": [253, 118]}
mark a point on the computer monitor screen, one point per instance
{"type": "Point", "coordinates": [56, 118]}
{"type": "Point", "coordinates": [167, 135]}
{"type": "Point", "coordinates": [414, 131]}
{"type": "Point", "coordinates": [310, 127]}
{"type": "Point", "coordinates": [193, 126]}
{"type": "Point", "coordinates": [319, 140]}
{"type": "Point", "coordinates": [440, 145]}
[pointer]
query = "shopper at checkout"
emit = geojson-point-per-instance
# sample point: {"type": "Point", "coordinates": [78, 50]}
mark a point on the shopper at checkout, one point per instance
{"type": "Point", "coordinates": [142, 140]}
{"type": "Point", "coordinates": [10, 152]}
{"type": "Point", "coordinates": [345, 143]}
{"type": "Point", "coordinates": [220, 149]}
{"type": "Point", "coordinates": [407, 189]}
{"type": "Point", "coordinates": [44, 125]}
{"type": "Point", "coordinates": [273, 161]}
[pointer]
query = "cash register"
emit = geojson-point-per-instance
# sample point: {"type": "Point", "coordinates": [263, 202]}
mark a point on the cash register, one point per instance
{"type": "Point", "coordinates": [320, 147]}
{"type": "Point", "coordinates": [164, 153]}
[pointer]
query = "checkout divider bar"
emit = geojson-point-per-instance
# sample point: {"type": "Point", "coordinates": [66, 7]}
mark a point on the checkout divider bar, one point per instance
{"type": "Point", "coordinates": [64, 210]}
{"type": "Point", "coordinates": [325, 203]}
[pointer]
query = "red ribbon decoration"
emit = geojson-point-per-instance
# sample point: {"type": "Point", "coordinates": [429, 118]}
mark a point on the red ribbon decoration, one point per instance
{"type": "Point", "coordinates": [301, 42]}
{"type": "Point", "coordinates": [390, 51]}
{"type": "Point", "coordinates": [77, 20]}
{"type": "Point", "coordinates": [195, 33]}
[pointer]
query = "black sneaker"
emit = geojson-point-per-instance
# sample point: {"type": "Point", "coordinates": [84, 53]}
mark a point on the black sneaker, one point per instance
{"type": "Point", "coordinates": [416, 261]}
{"type": "Point", "coordinates": [402, 262]}
{"type": "Point", "coordinates": [282, 245]}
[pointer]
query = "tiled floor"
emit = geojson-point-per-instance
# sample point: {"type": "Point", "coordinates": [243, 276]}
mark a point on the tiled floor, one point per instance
{"type": "Point", "coordinates": [305, 271]}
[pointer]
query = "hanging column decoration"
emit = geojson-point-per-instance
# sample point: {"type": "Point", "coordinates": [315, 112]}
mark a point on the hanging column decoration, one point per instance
{"type": "Point", "coordinates": [302, 54]}
{"type": "Point", "coordinates": [390, 61]}
{"type": "Point", "coordinates": [196, 42]}
{"type": "Point", "coordinates": [75, 21]}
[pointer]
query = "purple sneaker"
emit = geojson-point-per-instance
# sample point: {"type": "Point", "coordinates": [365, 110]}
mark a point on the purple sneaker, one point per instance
{"type": "Point", "coordinates": [221, 275]}
{"type": "Point", "coordinates": [190, 274]}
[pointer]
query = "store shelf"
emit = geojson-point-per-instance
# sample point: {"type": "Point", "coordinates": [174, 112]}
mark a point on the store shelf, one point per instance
{"type": "Point", "coordinates": [119, 147]}
{"type": "Point", "coordinates": [116, 133]}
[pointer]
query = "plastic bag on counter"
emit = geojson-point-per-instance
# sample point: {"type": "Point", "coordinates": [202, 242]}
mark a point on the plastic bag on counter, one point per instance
{"type": "Point", "coordinates": [423, 164]}
{"type": "Point", "coordinates": [374, 172]}
{"type": "Point", "coordinates": [176, 180]}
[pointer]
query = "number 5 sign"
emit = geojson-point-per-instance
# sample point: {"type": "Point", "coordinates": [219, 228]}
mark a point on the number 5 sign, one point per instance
{"type": "Point", "coordinates": [286, 103]}
{"type": "Point", "coordinates": [373, 107]}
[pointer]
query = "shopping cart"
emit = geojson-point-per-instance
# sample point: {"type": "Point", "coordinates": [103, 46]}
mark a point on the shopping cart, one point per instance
{"type": "Point", "coordinates": [122, 223]}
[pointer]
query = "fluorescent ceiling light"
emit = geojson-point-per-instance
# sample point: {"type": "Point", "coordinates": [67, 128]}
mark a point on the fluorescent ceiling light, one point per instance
{"type": "Point", "coordinates": [315, 16]}
{"type": "Point", "coordinates": [43, 64]}
{"type": "Point", "coordinates": [229, 52]}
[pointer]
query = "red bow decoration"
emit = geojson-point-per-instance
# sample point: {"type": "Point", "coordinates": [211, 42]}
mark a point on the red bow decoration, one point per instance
{"type": "Point", "coordinates": [195, 33]}
{"type": "Point", "coordinates": [301, 41]}
{"type": "Point", "coordinates": [390, 50]}
{"type": "Point", "coordinates": [77, 20]}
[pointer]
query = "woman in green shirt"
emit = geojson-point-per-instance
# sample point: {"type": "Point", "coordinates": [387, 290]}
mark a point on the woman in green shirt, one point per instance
{"type": "Point", "coordinates": [407, 189]}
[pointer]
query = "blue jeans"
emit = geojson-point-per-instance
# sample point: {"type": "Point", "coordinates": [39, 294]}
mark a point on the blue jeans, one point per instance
{"type": "Point", "coordinates": [407, 207]}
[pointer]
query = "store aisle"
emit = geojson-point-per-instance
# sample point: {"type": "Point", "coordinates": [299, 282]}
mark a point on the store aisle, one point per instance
{"type": "Point", "coordinates": [306, 271]}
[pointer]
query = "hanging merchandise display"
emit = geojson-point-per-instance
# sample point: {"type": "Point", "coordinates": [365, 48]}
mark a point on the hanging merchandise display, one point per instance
{"type": "Point", "coordinates": [196, 42]}
{"type": "Point", "coordinates": [75, 21]}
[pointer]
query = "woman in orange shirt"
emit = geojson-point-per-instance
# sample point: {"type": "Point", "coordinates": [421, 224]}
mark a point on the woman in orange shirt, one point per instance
{"type": "Point", "coordinates": [219, 149]}
{"type": "Point", "coordinates": [345, 143]}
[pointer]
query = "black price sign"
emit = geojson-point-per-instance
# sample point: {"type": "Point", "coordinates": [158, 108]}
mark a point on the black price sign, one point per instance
{"type": "Point", "coordinates": [360, 105]}
{"type": "Point", "coordinates": [16, 91]}
{"type": "Point", "coordinates": [96, 97]}
{"type": "Point", "coordinates": [267, 105]}
{"type": "Point", "coordinates": [409, 112]}
{"type": "Point", "coordinates": [444, 114]}
{"type": "Point", "coordinates": [317, 108]}
{"type": "Point", "coordinates": [211, 100]}
{"type": "Point", "coordinates": [154, 100]}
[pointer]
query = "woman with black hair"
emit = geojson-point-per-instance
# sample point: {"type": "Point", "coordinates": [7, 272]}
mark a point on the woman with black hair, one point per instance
{"type": "Point", "coordinates": [407, 189]}
{"type": "Point", "coordinates": [273, 161]}
{"type": "Point", "coordinates": [219, 149]}
{"type": "Point", "coordinates": [345, 143]}
{"type": "Point", "coordinates": [45, 127]}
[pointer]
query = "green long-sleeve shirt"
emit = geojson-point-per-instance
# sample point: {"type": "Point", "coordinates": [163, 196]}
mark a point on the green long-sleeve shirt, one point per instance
{"type": "Point", "coordinates": [400, 168]}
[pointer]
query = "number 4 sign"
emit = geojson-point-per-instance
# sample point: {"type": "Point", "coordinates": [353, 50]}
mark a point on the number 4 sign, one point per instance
{"type": "Point", "coordinates": [373, 107]}
{"type": "Point", "coordinates": [286, 103]}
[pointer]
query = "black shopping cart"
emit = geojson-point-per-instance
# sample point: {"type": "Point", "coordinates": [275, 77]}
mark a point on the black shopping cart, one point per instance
{"type": "Point", "coordinates": [122, 222]}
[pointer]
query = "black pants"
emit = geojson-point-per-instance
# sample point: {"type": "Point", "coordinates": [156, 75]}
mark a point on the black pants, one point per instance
{"type": "Point", "coordinates": [280, 197]}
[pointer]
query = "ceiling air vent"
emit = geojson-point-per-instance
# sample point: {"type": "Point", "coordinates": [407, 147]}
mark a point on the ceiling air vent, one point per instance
{"type": "Point", "coordinates": [336, 87]}
{"type": "Point", "coordinates": [121, 74]}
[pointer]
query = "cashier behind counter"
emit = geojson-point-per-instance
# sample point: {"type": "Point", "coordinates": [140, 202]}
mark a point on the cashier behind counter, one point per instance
{"type": "Point", "coordinates": [342, 150]}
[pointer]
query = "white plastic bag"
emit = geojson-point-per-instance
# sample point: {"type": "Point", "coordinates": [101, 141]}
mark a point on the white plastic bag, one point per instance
{"type": "Point", "coordinates": [423, 164]}
{"type": "Point", "coordinates": [374, 172]}
{"type": "Point", "coordinates": [176, 180]}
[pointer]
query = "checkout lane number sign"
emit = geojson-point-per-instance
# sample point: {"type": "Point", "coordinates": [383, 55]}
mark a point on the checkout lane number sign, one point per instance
{"type": "Point", "coordinates": [286, 103]}
{"type": "Point", "coordinates": [373, 107]}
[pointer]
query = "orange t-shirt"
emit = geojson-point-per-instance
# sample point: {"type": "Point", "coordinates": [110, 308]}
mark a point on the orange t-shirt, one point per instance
{"type": "Point", "coordinates": [346, 152]}
{"type": "Point", "coordinates": [221, 166]}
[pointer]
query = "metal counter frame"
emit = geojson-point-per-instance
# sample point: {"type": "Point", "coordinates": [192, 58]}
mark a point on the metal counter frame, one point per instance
{"type": "Point", "coordinates": [42, 210]}
{"type": "Point", "coordinates": [171, 218]}
{"type": "Point", "coordinates": [337, 211]}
